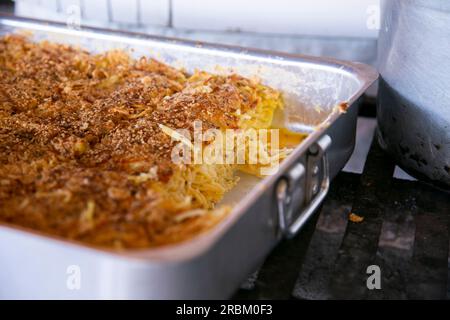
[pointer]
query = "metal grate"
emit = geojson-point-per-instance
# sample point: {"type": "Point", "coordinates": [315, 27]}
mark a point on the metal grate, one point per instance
{"type": "Point", "coordinates": [405, 232]}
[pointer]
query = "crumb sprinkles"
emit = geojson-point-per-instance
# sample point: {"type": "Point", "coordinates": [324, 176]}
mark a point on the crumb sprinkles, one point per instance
{"type": "Point", "coordinates": [82, 153]}
{"type": "Point", "coordinates": [355, 218]}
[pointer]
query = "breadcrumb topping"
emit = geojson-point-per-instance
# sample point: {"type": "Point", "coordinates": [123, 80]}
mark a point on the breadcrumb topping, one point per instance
{"type": "Point", "coordinates": [82, 153]}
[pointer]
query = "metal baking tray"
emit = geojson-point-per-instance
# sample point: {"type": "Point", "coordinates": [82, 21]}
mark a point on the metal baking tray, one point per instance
{"type": "Point", "coordinates": [214, 264]}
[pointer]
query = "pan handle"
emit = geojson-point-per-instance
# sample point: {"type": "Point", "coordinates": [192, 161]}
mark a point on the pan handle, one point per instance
{"type": "Point", "coordinates": [314, 194]}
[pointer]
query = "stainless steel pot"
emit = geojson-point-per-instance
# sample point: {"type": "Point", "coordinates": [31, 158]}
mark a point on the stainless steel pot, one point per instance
{"type": "Point", "coordinates": [414, 94]}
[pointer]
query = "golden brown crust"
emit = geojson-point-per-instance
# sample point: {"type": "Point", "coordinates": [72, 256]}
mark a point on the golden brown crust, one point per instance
{"type": "Point", "coordinates": [74, 127]}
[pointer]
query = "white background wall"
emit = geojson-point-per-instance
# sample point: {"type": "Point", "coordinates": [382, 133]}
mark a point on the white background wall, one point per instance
{"type": "Point", "coordinates": [306, 17]}
{"type": "Point", "coordinates": [346, 18]}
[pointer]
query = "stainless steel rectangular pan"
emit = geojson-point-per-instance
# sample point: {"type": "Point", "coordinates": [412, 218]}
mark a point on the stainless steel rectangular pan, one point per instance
{"type": "Point", "coordinates": [211, 265]}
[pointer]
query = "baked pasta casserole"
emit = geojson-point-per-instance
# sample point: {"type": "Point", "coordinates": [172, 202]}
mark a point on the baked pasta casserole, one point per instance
{"type": "Point", "coordinates": [86, 144]}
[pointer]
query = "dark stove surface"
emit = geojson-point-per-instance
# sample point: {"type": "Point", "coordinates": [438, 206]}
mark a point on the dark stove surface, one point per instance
{"type": "Point", "coordinates": [405, 232]}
